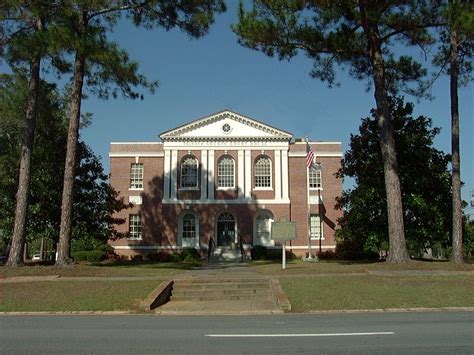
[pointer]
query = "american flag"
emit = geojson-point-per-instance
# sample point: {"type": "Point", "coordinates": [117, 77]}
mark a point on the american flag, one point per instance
{"type": "Point", "coordinates": [309, 155]}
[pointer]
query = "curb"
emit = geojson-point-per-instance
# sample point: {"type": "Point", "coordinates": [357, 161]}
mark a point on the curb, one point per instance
{"type": "Point", "coordinates": [134, 313]}
{"type": "Point", "coordinates": [394, 310]}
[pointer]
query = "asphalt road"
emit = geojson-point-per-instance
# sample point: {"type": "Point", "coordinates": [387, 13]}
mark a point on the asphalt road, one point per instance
{"type": "Point", "coordinates": [362, 333]}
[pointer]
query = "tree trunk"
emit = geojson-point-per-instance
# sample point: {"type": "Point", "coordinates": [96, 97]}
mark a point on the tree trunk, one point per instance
{"type": "Point", "coordinates": [396, 233]}
{"type": "Point", "coordinates": [64, 245]}
{"type": "Point", "coordinates": [15, 257]}
{"type": "Point", "coordinates": [397, 245]}
{"type": "Point", "coordinates": [457, 256]}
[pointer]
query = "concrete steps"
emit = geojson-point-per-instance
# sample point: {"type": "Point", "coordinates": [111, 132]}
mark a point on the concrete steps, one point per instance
{"type": "Point", "coordinates": [221, 291]}
{"type": "Point", "coordinates": [225, 296]}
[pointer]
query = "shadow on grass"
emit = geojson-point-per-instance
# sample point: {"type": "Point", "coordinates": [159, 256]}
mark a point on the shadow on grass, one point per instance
{"type": "Point", "coordinates": [180, 265]}
{"type": "Point", "coordinates": [322, 261]}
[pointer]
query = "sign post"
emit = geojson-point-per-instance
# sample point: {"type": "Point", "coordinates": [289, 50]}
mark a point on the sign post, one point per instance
{"type": "Point", "coordinates": [283, 231]}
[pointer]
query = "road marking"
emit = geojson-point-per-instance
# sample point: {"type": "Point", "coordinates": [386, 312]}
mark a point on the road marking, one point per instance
{"type": "Point", "coordinates": [295, 335]}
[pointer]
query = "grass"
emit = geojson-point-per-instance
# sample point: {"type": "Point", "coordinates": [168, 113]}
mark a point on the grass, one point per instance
{"type": "Point", "coordinates": [120, 268]}
{"type": "Point", "coordinates": [344, 292]}
{"type": "Point", "coordinates": [299, 267]}
{"type": "Point", "coordinates": [327, 285]}
{"type": "Point", "coordinates": [74, 296]}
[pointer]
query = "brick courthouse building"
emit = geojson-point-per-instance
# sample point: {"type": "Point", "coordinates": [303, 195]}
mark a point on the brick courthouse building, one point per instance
{"type": "Point", "coordinates": [225, 177]}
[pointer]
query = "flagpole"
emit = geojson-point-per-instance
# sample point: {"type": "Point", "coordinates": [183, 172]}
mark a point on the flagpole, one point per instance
{"type": "Point", "coordinates": [308, 207]}
{"type": "Point", "coordinates": [308, 215]}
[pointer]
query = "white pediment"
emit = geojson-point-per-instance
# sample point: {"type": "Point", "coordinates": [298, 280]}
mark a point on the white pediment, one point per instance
{"type": "Point", "coordinates": [225, 125]}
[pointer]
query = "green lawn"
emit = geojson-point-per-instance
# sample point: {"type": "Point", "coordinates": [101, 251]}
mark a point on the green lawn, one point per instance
{"type": "Point", "coordinates": [299, 267]}
{"type": "Point", "coordinates": [343, 292]}
{"type": "Point", "coordinates": [126, 268]}
{"type": "Point", "coordinates": [327, 285]}
{"type": "Point", "coordinates": [74, 295]}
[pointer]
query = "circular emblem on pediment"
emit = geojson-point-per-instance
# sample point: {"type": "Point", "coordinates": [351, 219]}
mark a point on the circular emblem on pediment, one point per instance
{"type": "Point", "coordinates": [226, 128]}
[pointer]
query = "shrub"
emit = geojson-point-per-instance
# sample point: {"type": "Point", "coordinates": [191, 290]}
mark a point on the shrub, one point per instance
{"type": "Point", "coordinates": [88, 255]}
{"type": "Point", "coordinates": [328, 255]}
{"type": "Point", "coordinates": [175, 257]}
{"type": "Point", "coordinates": [258, 252]}
{"type": "Point", "coordinates": [137, 257]}
{"type": "Point", "coordinates": [349, 251]}
{"type": "Point", "coordinates": [190, 255]}
{"type": "Point", "coordinates": [160, 256]}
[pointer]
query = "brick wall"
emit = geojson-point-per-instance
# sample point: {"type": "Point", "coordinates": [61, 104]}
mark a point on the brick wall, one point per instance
{"type": "Point", "coordinates": [160, 221]}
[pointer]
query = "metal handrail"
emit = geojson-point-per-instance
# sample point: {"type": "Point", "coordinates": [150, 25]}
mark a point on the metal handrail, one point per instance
{"type": "Point", "coordinates": [242, 251]}
{"type": "Point", "coordinates": [210, 249]}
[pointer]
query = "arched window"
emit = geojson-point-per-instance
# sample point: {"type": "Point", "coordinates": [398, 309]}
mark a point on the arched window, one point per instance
{"type": "Point", "coordinates": [225, 172]}
{"type": "Point", "coordinates": [263, 228]}
{"type": "Point", "coordinates": [189, 172]}
{"type": "Point", "coordinates": [263, 172]}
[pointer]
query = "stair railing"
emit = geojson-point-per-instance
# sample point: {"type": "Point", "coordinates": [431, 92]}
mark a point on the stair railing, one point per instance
{"type": "Point", "coordinates": [242, 251]}
{"type": "Point", "coordinates": [210, 249]}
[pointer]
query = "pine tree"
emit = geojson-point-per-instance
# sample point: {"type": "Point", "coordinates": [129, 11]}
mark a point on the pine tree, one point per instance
{"type": "Point", "coordinates": [359, 34]}
{"type": "Point", "coordinates": [456, 51]}
{"type": "Point", "coordinates": [107, 69]}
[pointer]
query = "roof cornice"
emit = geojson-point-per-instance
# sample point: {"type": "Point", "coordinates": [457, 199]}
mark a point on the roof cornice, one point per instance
{"type": "Point", "coordinates": [177, 133]}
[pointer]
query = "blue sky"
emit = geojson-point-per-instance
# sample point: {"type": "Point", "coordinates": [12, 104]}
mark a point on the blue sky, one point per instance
{"type": "Point", "coordinates": [200, 77]}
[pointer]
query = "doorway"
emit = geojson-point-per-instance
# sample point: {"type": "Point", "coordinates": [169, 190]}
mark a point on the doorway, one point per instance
{"type": "Point", "coordinates": [226, 230]}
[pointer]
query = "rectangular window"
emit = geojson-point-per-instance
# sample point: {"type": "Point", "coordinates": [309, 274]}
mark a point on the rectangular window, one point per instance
{"type": "Point", "coordinates": [316, 227]}
{"type": "Point", "coordinates": [134, 226]}
{"type": "Point", "coordinates": [136, 176]}
{"type": "Point", "coordinates": [315, 181]}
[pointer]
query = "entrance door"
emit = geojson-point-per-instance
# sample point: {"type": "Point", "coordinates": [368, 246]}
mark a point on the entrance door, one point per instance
{"type": "Point", "coordinates": [226, 234]}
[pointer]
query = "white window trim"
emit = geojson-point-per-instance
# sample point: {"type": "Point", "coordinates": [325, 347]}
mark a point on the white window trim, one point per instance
{"type": "Point", "coordinates": [320, 179]}
{"type": "Point", "coordinates": [179, 239]}
{"type": "Point", "coordinates": [141, 227]}
{"type": "Point", "coordinates": [256, 238]}
{"type": "Point", "coordinates": [142, 166]}
{"type": "Point", "coordinates": [233, 187]}
{"type": "Point", "coordinates": [188, 188]}
{"type": "Point", "coordinates": [263, 188]}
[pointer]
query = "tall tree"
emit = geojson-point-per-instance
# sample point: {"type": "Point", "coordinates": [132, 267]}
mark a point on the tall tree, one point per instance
{"type": "Point", "coordinates": [455, 59]}
{"type": "Point", "coordinates": [362, 35]}
{"type": "Point", "coordinates": [94, 201]}
{"type": "Point", "coordinates": [103, 65]}
{"type": "Point", "coordinates": [424, 178]}
{"type": "Point", "coordinates": [47, 155]}
{"type": "Point", "coordinates": [22, 34]}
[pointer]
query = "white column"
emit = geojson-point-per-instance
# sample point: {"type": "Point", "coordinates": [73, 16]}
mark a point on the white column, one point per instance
{"type": "Point", "coordinates": [166, 176]}
{"type": "Point", "coordinates": [248, 174]}
{"type": "Point", "coordinates": [174, 173]}
{"type": "Point", "coordinates": [277, 179]}
{"type": "Point", "coordinates": [204, 172]}
{"type": "Point", "coordinates": [240, 175]}
{"type": "Point", "coordinates": [211, 174]}
{"type": "Point", "coordinates": [284, 173]}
